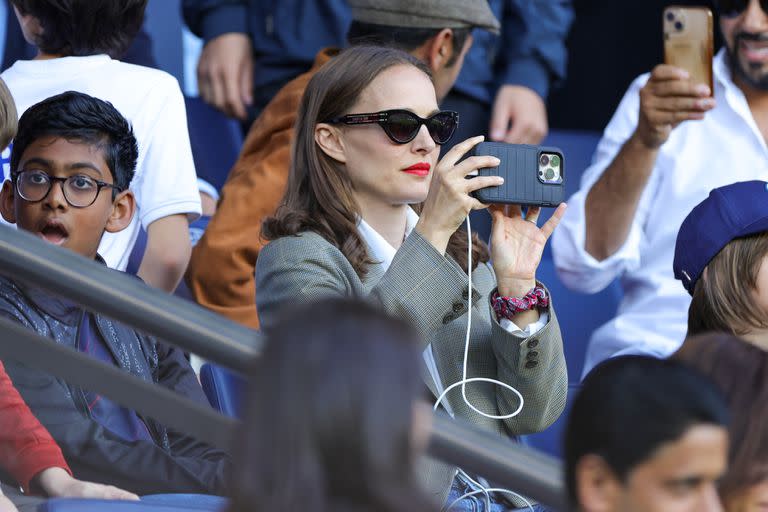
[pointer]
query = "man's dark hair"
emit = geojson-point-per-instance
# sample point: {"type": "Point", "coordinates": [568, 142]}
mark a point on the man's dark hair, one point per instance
{"type": "Point", "coordinates": [85, 27]}
{"type": "Point", "coordinates": [75, 116]}
{"type": "Point", "coordinates": [629, 406]}
{"type": "Point", "coordinates": [402, 38]}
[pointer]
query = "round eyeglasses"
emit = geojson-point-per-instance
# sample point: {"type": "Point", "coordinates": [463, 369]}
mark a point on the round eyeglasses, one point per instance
{"type": "Point", "coordinates": [80, 191]}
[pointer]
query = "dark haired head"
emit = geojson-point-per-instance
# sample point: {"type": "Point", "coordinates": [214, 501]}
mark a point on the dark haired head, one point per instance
{"type": "Point", "coordinates": [330, 414]}
{"type": "Point", "coordinates": [629, 406]}
{"type": "Point", "coordinates": [84, 27]}
{"type": "Point", "coordinates": [740, 370]}
{"type": "Point", "coordinates": [75, 116]}
{"type": "Point", "coordinates": [402, 38]}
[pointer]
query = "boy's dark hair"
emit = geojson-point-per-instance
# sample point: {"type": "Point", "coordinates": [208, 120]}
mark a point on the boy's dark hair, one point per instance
{"type": "Point", "coordinates": [75, 116]}
{"type": "Point", "coordinates": [402, 38]}
{"type": "Point", "coordinates": [629, 406]}
{"type": "Point", "coordinates": [85, 27]}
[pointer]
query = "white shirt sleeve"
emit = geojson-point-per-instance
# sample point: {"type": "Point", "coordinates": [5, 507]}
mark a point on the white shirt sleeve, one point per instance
{"type": "Point", "coordinates": [531, 329]}
{"type": "Point", "coordinates": [576, 267]}
{"type": "Point", "coordinates": [166, 181]}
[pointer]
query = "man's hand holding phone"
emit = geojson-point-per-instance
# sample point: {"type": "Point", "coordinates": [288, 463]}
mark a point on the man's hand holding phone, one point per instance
{"type": "Point", "coordinates": [667, 99]}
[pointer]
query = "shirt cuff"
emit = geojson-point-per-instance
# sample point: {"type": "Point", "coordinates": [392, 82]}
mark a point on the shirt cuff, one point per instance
{"type": "Point", "coordinates": [528, 72]}
{"type": "Point", "coordinates": [224, 20]}
{"type": "Point", "coordinates": [531, 329]}
{"type": "Point", "coordinates": [206, 188]}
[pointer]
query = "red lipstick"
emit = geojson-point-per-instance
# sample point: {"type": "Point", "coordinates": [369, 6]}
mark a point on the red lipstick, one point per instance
{"type": "Point", "coordinates": [420, 169]}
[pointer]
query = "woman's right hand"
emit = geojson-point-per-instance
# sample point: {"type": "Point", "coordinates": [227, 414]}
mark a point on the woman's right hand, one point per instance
{"type": "Point", "coordinates": [449, 201]}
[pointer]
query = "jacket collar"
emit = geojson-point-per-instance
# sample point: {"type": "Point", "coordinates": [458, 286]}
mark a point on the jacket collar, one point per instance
{"type": "Point", "coordinates": [60, 308]}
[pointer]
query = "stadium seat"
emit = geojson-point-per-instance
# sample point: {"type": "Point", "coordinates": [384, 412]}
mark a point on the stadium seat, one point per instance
{"type": "Point", "coordinates": [550, 441]}
{"type": "Point", "coordinates": [186, 501]}
{"type": "Point", "coordinates": [579, 314]}
{"type": "Point", "coordinates": [215, 139]}
{"type": "Point", "coordinates": [224, 389]}
{"type": "Point", "coordinates": [84, 505]}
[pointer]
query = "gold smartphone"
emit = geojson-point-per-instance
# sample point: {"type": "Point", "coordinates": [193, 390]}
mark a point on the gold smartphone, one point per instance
{"type": "Point", "coordinates": [689, 41]}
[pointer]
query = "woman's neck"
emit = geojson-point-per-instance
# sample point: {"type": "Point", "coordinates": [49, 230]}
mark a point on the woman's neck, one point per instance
{"type": "Point", "coordinates": [388, 220]}
{"type": "Point", "coordinates": [757, 337]}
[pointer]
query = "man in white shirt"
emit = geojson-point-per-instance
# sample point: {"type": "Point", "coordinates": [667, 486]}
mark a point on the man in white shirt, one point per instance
{"type": "Point", "coordinates": [666, 147]}
{"type": "Point", "coordinates": [75, 39]}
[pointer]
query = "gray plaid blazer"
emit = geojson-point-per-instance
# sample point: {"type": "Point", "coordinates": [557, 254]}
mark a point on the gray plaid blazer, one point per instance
{"type": "Point", "coordinates": [430, 290]}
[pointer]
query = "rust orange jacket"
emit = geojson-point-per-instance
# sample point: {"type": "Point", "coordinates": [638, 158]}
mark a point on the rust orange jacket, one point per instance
{"type": "Point", "coordinates": [221, 270]}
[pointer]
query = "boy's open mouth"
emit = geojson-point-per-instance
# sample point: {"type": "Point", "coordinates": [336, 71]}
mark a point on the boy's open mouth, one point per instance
{"type": "Point", "coordinates": [54, 232]}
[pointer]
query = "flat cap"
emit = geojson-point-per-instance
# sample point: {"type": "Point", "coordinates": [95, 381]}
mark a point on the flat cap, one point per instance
{"type": "Point", "coordinates": [426, 13]}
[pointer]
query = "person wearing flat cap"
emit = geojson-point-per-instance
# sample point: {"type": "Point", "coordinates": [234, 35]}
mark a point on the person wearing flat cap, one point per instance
{"type": "Point", "coordinates": [721, 257]}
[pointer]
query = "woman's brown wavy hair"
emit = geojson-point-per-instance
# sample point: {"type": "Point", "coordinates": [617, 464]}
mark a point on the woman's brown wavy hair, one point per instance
{"type": "Point", "coordinates": [320, 196]}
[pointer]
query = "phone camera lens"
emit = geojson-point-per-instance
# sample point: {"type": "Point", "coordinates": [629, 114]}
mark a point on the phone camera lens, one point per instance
{"type": "Point", "coordinates": [550, 174]}
{"type": "Point", "coordinates": [555, 161]}
{"type": "Point", "coordinates": [679, 25]}
{"type": "Point", "coordinates": [670, 16]}
{"type": "Point", "coordinates": [544, 160]}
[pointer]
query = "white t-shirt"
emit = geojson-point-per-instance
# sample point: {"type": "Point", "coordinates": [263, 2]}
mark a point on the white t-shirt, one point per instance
{"type": "Point", "coordinates": [165, 182]}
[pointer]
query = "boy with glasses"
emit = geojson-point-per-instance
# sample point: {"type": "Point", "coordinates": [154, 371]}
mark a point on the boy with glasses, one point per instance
{"type": "Point", "coordinates": [71, 166]}
{"type": "Point", "coordinates": [670, 142]}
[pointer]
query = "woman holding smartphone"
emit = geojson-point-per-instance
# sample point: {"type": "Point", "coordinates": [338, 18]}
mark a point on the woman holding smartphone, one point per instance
{"type": "Point", "coordinates": [365, 159]}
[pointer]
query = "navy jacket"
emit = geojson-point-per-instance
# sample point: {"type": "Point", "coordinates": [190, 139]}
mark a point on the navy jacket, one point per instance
{"type": "Point", "coordinates": [287, 34]}
{"type": "Point", "coordinates": [174, 462]}
{"type": "Point", "coordinates": [530, 50]}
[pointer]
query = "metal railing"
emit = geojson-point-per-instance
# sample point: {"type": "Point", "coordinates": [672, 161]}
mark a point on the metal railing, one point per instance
{"type": "Point", "coordinates": [199, 331]}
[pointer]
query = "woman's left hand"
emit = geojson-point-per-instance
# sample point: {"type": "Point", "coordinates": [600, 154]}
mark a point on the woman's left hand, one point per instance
{"type": "Point", "coordinates": [517, 244]}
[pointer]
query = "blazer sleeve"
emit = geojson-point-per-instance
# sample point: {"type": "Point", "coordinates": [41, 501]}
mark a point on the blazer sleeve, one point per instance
{"type": "Point", "coordinates": [307, 268]}
{"type": "Point", "coordinates": [26, 447]}
{"type": "Point", "coordinates": [535, 366]}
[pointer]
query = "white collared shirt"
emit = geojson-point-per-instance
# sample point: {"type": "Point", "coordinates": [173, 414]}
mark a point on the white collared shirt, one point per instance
{"type": "Point", "coordinates": [383, 253]}
{"type": "Point", "coordinates": [724, 148]}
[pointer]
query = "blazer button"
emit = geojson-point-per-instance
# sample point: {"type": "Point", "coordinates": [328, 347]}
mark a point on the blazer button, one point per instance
{"type": "Point", "coordinates": [532, 355]}
{"type": "Point", "coordinates": [458, 307]}
{"type": "Point", "coordinates": [533, 343]}
{"type": "Point", "coordinates": [465, 294]}
{"type": "Point", "coordinates": [447, 318]}
{"type": "Point", "coordinates": [531, 364]}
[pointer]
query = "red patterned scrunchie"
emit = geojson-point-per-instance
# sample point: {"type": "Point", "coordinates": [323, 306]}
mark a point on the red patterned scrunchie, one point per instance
{"type": "Point", "coordinates": [507, 307]}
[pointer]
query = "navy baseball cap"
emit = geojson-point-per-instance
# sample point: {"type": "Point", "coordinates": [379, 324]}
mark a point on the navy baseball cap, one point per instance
{"type": "Point", "coordinates": [729, 212]}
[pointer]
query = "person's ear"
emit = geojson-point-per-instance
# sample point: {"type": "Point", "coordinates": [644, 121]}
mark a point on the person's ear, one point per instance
{"type": "Point", "coordinates": [7, 202]}
{"type": "Point", "coordinates": [439, 50]}
{"type": "Point", "coordinates": [123, 209]}
{"type": "Point", "coordinates": [597, 488]}
{"type": "Point", "coordinates": [329, 138]}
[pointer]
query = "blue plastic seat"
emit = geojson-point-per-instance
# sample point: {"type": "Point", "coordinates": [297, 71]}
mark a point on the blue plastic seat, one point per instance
{"type": "Point", "coordinates": [83, 505]}
{"type": "Point", "coordinates": [224, 389]}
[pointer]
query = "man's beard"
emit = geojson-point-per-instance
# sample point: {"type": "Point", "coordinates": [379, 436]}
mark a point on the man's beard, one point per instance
{"type": "Point", "coordinates": [756, 81]}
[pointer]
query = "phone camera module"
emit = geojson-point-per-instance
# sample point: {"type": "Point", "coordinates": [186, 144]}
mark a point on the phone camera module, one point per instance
{"type": "Point", "coordinates": [544, 160]}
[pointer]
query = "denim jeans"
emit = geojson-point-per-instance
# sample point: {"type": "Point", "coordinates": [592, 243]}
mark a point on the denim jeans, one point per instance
{"type": "Point", "coordinates": [478, 502]}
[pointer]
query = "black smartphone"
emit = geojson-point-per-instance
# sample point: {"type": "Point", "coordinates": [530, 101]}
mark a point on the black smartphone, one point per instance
{"type": "Point", "coordinates": [533, 175]}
